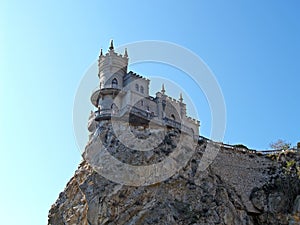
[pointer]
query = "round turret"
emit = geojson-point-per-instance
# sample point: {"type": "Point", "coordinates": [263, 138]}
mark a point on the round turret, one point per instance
{"type": "Point", "coordinates": [112, 67]}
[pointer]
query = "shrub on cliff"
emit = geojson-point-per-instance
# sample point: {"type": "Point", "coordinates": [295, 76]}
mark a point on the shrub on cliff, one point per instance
{"type": "Point", "coordinates": [280, 145]}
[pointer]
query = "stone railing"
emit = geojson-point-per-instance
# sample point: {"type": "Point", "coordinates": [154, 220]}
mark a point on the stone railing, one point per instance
{"type": "Point", "coordinates": [266, 152]}
{"type": "Point", "coordinates": [142, 113]}
{"type": "Point", "coordinates": [240, 149]}
{"type": "Point", "coordinates": [172, 123]}
{"type": "Point", "coordinates": [104, 113]}
{"type": "Point", "coordinates": [135, 111]}
{"type": "Point", "coordinates": [187, 130]}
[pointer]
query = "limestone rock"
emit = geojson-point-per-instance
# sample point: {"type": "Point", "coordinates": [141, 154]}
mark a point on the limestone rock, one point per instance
{"type": "Point", "coordinates": [237, 188]}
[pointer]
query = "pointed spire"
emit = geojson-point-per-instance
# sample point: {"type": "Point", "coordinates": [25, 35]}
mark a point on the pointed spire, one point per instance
{"type": "Point", "coordinates": [163, 89]}
{"type": "Point", "coordinates": [101, 53]}
{"type": "Point", "coordinates": [111, 47]}
{"type": "Point", "coordinates": [126, 54]}
{"type": "Point", "coordinates": [180, 98]}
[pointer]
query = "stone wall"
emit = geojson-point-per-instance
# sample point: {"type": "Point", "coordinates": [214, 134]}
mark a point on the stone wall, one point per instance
{"type": "Point", "coordinates": [243, 171]}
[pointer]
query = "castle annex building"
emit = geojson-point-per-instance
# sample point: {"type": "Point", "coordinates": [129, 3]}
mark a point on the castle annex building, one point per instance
{"type": "Point", "coordinates": [125, 95]}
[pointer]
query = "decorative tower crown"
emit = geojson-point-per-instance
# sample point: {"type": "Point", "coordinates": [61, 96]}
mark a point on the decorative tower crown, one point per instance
{"type": "Point", "coordinates": [111, 65]}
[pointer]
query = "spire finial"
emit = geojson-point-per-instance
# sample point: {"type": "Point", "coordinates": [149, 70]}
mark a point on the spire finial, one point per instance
{"type": "Point", "coordinates": [111, 47]}
{"type": "Point", "coordinates": [163, 89]}
{"type": "Point", "coordinates": [101, 53]}
{"type": "Point", "coordinates": [126, 54]}
{"type": "Point", "coordinates": [180, 97]}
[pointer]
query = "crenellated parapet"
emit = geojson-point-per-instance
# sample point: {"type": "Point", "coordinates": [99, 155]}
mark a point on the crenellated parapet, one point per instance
{"type": "Point", "coordinates": [193, 120]}
{"type": "Point", "coordinates": [134, 75]}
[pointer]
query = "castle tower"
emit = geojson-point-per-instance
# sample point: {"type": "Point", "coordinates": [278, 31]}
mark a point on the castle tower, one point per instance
{"type": "Point", "coordinates": [112, 67]}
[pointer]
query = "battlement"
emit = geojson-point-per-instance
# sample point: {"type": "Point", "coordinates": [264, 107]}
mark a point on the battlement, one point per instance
{"type": "Point", "coordinates": [114, 53]}
{"type": "Point", "coordinates": [112, 63]}
{"type": "Point", "coordinates": [173, 100]}
{"type": "Point", "coordinates": [131, 74]}
{"type": "Point", "coordinates": [112, 59]}
{"type": "Point", "coordinates": [192, 120]}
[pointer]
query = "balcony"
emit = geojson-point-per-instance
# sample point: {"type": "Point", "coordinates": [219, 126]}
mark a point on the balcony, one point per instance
{"type": "Point", "coordinates": [104, 114]}
{"type": "Point", "coordinates": [141, 113]}
{"type": "Point", "coordinates": [172, 123]}
{"type": "Point", "coordinates": [113, 90]}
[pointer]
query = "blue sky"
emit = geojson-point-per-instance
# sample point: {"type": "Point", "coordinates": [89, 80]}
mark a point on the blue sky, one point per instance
{"type": "Point", "coordinates": [252, 47]}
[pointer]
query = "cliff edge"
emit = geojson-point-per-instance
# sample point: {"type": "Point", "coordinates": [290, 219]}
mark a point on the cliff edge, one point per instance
{"type": "Point", "coordinates": [238, 187]}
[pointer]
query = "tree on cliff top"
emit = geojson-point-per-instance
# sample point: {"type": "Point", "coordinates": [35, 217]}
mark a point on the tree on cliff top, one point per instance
{"type": "Point", "coordinates": [280, 145]}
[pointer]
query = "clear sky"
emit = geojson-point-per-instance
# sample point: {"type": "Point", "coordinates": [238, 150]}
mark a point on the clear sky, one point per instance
{"type": "Point", "coordinates": [252, 47]}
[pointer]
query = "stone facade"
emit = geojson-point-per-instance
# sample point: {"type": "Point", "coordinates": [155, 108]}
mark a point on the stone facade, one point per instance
{"type": "Point", "coordinates": [123, 93]}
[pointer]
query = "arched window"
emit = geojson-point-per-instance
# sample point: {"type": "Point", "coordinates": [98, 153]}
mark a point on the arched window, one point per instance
{"type": "Point", "coordinates": [136, 87]}
{"type": "Point", "coordinates": [114, 83]}
{"type": "Point", "coordinates": [114, 108]}
{"type": "Point", "coordinates": [172, 117]}
{"type": "Point", "coordinates": [142, 89]}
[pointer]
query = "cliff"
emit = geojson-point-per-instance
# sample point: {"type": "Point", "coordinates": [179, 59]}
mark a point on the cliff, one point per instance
{"type": "Point", "coordinates": [238, 187]}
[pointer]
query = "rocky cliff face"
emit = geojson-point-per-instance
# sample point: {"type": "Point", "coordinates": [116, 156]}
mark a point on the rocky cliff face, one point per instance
{"type": "Point", "coordinates": [238, 187]}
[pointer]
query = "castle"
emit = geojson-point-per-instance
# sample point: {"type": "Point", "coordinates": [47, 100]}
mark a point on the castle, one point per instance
{"type": "Point", "coordinates": [123, 94]}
